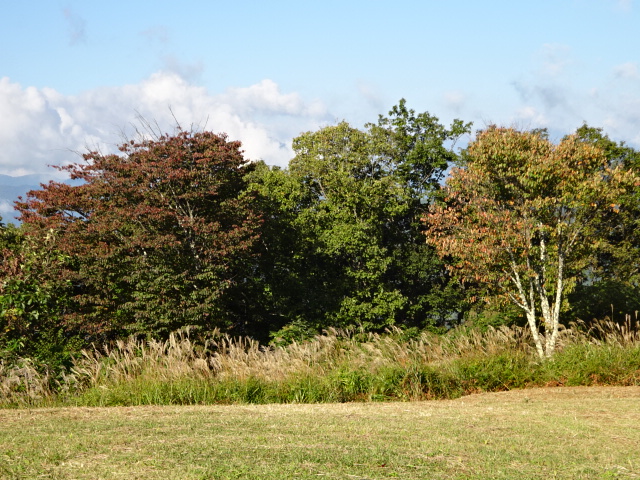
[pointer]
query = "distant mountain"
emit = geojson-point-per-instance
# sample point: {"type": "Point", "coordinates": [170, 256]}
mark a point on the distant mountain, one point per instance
{"type": "Point", "coordinates": [13, 187]}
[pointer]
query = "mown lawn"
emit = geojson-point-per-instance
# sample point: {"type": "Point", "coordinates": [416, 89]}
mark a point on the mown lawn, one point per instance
{"type": "Point", "coordinates": [548, 433]}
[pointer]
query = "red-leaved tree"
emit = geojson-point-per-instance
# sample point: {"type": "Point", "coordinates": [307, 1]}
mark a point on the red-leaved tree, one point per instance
{"type": "Point", "coordinates": [156, 234]}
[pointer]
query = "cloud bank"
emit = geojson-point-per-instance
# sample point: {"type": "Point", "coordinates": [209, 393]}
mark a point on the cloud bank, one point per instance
{"type": "Point", "coordinates": [561, 94]}
{"type": "Point", "coordinates": [41, 127]}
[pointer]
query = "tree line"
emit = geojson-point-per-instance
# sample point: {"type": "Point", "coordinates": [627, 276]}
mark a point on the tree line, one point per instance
{"type": "Point", "coordinates": [361, 229]}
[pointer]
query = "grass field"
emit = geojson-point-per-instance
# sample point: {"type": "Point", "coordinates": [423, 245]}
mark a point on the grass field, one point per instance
{"type": "Point", "coordinates": [547, 433]}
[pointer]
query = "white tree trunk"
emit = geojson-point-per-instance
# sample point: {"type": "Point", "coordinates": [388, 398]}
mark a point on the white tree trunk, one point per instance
{"type": "Point", "coordinates": [528, 304]}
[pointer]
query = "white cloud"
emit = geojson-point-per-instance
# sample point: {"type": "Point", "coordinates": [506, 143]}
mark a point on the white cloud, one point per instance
{"type": "Point", "coordinates": [76, 25]}
{"type": "Point", "coordinates": [371, 94]}
{"type": "Point", "coordinates": [188, 71]}
{"type": "Point", "coordinates": [265, 97]}
{"type": "Point", "coordinates": [560, 94]}
{"type": "Point", "coordinates": [42, 126]}
{"type": "Point", "coordinates": [530, 117]}
{"type": "Point", "coordinates": [551, 95]}
{"type": "Point", "coordinates": [627, 70]}
{"type": "Point", "coordinates": [554, 59]}
{"type": "Point", "coordinates": [455, 100]}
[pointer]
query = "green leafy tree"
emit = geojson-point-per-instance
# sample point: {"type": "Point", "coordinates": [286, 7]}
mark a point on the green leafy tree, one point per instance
{"type": "Point", "coordinates": [353, 199]}
{"type": "Point", "coordinates": [32, 300]}
{"type": "Point", "coordinates": [612, 286]}
{"type": "Point", "coordinates": [157, 234]}
{"type": "Point", "coordinates": [289, 281]}
{"type": "Point", "coordinates": [348, 247]}
{"type": "Point", "coordinates": [623, 261]}
{"type": "Point", "coordinates": [526, 217]}
{"type": "Point", "coordinates": [417, 149]}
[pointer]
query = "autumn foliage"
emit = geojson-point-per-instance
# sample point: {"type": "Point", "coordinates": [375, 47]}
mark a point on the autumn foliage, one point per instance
{"type": "Point", "coordinates": [181, 230]}
{"type": "Point", "coordinates": [157, 233]}
{"type": "Point", "coordinates": [525, 218]}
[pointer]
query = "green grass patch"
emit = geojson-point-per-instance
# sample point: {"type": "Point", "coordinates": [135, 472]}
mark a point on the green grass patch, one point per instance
{"type": "Point", "coordinates": [560, 433]}
{"type": "Point", "coordinates": [601, 364]}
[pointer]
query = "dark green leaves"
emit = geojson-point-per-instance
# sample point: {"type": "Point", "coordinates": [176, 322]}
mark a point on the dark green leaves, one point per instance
{"type": "Point", "coordinates": [158, 233]}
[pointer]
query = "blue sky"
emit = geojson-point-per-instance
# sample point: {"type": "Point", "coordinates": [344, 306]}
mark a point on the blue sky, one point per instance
{"type": "Point", "coordinates": [76, 74]}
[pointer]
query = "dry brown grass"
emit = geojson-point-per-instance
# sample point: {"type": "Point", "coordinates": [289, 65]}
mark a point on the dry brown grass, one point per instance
{"type": "Point", "coordinates": [222, 358]}
{"type": "Point", "coordinates": [23, 383]}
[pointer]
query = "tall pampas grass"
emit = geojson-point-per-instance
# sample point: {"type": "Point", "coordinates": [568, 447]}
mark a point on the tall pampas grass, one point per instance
{"type": "Point", "coordinates": [339, 365]}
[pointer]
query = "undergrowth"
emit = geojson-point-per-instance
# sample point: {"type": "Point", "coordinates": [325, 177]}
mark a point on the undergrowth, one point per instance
{"type": "Point", "coordinates": [339, 366]}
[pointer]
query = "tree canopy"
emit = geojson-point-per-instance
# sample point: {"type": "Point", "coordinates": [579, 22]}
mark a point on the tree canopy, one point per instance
{"type": "Point", "coordinates": [181, 230]}
{"type": "Point", "coordinates": [527, 217]}
{"type": "Point", "coordinates": [156, 234]}
{"type": "Point", "coordinates": [349, 206]}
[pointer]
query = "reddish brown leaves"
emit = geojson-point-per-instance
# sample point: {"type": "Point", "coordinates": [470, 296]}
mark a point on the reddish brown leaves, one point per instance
{"type": "Point", "coordinates": [158, 232]}
{"type": "Point", "coordinates": [517, 190]}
